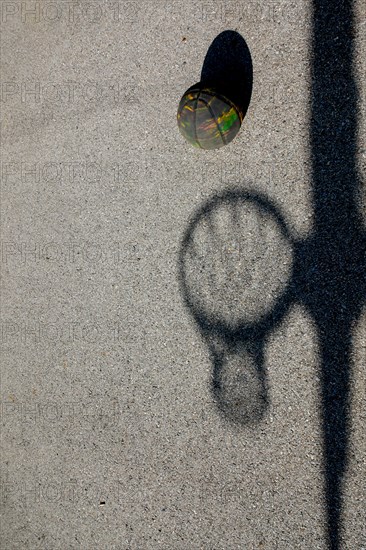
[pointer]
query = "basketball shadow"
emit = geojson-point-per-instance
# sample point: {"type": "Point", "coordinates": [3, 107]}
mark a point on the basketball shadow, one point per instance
{"type": "Point", "coordinates": [228, 68]}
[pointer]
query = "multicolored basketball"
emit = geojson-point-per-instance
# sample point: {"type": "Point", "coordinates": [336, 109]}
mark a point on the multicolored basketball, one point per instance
{"type": "Point", "coordinates": [207, 119]}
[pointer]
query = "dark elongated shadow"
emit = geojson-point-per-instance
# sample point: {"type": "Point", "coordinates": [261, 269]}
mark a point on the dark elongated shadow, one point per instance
{"type": "Point", "coordinates": [228, 68]}
{"type": "Point", "coordinates": [331, 268]}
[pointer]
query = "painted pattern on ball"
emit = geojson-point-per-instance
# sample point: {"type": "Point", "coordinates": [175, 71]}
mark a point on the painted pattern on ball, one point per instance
{"type": "Point", "coordinates": [206, 119]}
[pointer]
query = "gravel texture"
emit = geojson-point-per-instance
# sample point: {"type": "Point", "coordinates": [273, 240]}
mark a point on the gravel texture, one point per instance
{"type": "Point", "coordinates": [149, 399]}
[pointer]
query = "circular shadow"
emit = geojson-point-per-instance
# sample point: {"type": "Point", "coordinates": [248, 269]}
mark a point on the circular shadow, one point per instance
{"type": "Point", "coordinates": [236, 262]}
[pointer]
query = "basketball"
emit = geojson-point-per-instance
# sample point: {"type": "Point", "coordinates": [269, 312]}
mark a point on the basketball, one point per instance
{"type": "Point", "coordinates": [207, 119]}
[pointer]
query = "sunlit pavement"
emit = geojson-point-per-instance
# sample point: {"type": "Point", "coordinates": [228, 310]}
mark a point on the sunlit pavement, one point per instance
{"type": "Point", "coordinates": [162, 381]}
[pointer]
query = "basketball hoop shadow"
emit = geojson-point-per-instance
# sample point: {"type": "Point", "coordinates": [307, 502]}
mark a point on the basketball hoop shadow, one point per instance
{"type": "Point", "coordinates": [235, 266]}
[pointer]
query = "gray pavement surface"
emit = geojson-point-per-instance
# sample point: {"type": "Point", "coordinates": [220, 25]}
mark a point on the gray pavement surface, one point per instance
{"type": "Point", "coordinates": [111, 435]}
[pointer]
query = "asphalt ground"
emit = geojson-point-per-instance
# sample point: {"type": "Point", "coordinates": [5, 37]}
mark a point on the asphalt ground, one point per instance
{"type": "Point", "coordinates": [183, 331]}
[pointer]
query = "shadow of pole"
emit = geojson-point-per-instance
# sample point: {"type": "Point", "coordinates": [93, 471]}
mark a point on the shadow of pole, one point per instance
{"type": "Point", "coordinates": [331, 271]}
